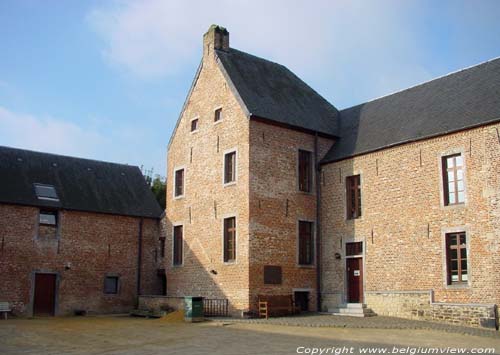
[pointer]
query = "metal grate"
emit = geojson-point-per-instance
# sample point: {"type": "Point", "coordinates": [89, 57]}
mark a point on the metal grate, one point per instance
{"type": "Point", "coordinates": [215, 307]}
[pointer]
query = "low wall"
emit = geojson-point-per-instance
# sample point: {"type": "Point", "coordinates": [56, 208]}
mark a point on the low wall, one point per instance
{"type": "Point", "coordinates": [147, 302]}
{"type": "Point", "coordinates": [420, 305]}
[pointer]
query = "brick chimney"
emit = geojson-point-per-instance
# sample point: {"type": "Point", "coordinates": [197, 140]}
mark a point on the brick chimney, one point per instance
{"type": "Point", "coordinates": [217, 37]}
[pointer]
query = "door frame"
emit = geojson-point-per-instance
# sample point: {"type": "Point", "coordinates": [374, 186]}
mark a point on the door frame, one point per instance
{"type": "Point", "coordinates": [345, 296]}
{"type": "Point", "coordinates": [310, 290]}
{"type": "Point", "coordinates": [32, 290]}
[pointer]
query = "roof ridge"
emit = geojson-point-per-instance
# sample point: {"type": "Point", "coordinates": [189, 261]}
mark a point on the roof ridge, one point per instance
{"type": "Point", "coordinates": [252, 55]}
{"type": "Point", "coordinates": [67, 156]}
{"type": "Point", "coordinates": [424, 83]}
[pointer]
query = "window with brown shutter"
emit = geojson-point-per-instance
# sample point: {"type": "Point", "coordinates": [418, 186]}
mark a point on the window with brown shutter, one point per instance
{"type": "Point", "coordinates": [178, 241]}
{"type": "Point", "coordinates": [229, 239]}
{"type": "Point", "coordinates": [272, 275]}
{"type": "Point", "coordinates": [229, 167]}
{"type": "Point", "coordinates": [353, 196]}
{"type": "Point", "coordinates": [306, 243]}
{"type": "Point", "coordinates": [456, 256]}
{"type": "Point", "coordinates": [453, 180]}
{"type": "Point", "coordinates": [179, 183]}
{"type": "Point", "coordinates": [305, 171]}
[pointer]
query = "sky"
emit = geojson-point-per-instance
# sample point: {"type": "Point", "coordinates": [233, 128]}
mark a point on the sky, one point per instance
{"type": "Point", "coordinates": [106, 80]}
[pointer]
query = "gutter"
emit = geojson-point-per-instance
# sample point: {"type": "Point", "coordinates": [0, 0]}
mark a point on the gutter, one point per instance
{"type": "Point", "coordinates": [139, 258]}
{"type": "Point", "coordinates": [317, 176]}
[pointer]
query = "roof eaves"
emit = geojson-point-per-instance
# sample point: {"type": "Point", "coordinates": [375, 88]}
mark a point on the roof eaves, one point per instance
{"type": "Point", "coordinates": [191, 88]}
{"type": "Point", "coordinates": [417, 139]}
{"type": "Point", "coordinates": [233, 88]}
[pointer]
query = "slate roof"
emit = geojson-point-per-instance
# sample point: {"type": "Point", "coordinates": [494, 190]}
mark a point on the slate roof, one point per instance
{"type": "Point", "coordinates": [271, 91]}
{"type": "Point", "coordinates": [81, 184]}
{"type": "Point", "coordinates": [464, 99]}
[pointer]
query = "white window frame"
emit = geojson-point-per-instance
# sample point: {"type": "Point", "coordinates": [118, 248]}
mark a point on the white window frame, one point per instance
{"type": "Point", "coordinates": [313, 172]}
{"type": "Point", "coordinates": [183, 243]}
{"type": "Point", "coordinates": [174, 185]}
{"type": "Point", "coordinates": [226, 152]}
{"type": "Point", "coordinates": [191, 123]}
{"type": "Point", "coordinates": [222, 119]}
{"type": "Point", "coordinates": [297, 252]}
{"type": "Point", "coordinates": [235, 261]}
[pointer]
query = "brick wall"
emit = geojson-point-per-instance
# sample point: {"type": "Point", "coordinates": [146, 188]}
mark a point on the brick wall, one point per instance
{"type": "Point", "coordinates": [276, 206]}
{"type": "Point", "coordinates": [207, 202]}
{"type": "Point", "coordinates": [86, 247]}
{"type": "Point", "coordinates": [404, 221]}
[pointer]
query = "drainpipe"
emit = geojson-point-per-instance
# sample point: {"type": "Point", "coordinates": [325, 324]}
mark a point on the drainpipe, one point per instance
{"type": "Point", "coordinates": [318, 223]}
{"type": "Point", "coordinates": [139, 258]}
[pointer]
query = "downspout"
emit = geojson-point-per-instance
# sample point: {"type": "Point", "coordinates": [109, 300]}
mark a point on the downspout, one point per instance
{"type": "Point", "coordinates": [139, 259]}
{"type": "Point", "coordinates": [317, 176]}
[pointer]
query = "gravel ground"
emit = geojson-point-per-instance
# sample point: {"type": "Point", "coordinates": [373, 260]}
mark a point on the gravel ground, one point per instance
{"type": "Point", "coordinates": [378, 322]}
{"type": "Point", "coordinates": [129, 336]}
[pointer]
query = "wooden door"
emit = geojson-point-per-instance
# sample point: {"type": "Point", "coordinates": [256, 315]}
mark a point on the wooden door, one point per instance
{"type": "Point", "coordinates": [354, 280]}
{"type": "Point", "coordinates": [45, 295]}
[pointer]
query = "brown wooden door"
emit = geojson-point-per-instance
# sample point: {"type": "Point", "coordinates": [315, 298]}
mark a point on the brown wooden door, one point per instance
{"type": "Point", "coordinates": [45, 295]}
{"type": "Point", "coordinates": [355, 280]}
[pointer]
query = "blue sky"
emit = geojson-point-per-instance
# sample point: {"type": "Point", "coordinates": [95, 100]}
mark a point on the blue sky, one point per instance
{"type": "Point", "coordinates": [106, 79]}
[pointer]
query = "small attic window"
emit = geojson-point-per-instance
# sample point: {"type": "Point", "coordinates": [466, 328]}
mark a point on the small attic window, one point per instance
{"type": "Point", "coordinates": [194, 125]}
{"type": "Point", "coordinates": [46, 192]}
{"type": "Point", "coordinates": [218, 115]}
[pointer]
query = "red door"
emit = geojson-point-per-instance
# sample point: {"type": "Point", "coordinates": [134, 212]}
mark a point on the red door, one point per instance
{"type": "Point", "coordinates": [355, 280]}
{"type": "Point", "coordinates": [45, 295]}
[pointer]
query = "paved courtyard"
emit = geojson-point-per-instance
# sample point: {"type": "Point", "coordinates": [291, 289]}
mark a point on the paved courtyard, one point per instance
{"type": "Point", "coordinates": [125, 335]}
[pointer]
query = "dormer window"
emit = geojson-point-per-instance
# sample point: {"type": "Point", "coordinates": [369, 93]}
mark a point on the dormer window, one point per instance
{"type": "Point", "coordinates": [46, 192]}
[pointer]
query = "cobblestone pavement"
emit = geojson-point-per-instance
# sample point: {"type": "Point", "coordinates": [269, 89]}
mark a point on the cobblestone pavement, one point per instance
{"type": "Point", "coordinates": [378, 322]}
{"type": "Point", "coordinates": [114, 335]}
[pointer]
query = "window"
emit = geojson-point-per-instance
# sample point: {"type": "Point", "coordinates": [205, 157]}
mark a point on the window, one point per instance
{"type": "Point", "coordinates": [194, 125]}
{"type": "Point", "coordinates": [179, 183]}
{"type": "Point", "coordinates": [305, 171]}
{"type": "Point", "coordinates": [48, 218]}
{"type": "Point", "coordinates": [306, 241]}
{"type": "Point", "coordinates": [178, 241]}
{"type": "Point", "coordinates": [111, 285]}
{"type": "Point", "coordinates": [355, 248]}
{"type": "Point", "coordinates": [46, 192]}
{"type": "Point", "coordinates": [453, 180]}
{"type": "Point", "coordinates": [229, 167]}
{"type": "Point", "coordinates": [353, 196]}
{"type": "Point", "coordinates": [272, 275]}
{"type": "Point", "coordinates": [229, 239]}
{"type": "Point", "coordinates": [218, 115]}
{"type": "Point", "coordinates": [162, 247]}
{"type": "Point", "coordinates": [456, 256]}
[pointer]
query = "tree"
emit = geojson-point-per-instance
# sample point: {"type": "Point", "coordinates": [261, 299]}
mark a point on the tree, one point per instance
{"type": "Point", "coordinates": [158, 186]}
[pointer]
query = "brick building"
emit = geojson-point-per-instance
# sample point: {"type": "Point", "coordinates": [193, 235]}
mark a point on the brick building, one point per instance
{"type": "Point", "coordinates": [75, 234]}
{"type": "Point", "coordinates": [392, 203]}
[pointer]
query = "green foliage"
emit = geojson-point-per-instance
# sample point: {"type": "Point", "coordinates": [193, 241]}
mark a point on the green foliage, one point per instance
{"type": "Point", "coordinates": [158, 186]}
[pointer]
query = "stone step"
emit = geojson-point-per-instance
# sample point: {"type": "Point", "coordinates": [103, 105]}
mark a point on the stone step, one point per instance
{"type": "Point", "coordinates": [353, 305]}
{"type": "Point", "coordinates": [352, 309]}
{"type": "Point", "coordinates": [361, 315]}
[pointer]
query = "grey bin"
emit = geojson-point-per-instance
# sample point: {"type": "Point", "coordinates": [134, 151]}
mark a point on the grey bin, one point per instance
{"type": "Point", "coordinates": [193, 309]}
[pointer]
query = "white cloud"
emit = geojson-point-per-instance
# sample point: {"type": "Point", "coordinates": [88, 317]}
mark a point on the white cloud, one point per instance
{"type": "Point", "coordinates": [99, 139]}
{"type": "Point", "coordinates": [318, 40]}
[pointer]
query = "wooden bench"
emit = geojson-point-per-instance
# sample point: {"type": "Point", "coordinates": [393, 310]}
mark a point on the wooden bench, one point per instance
{"type": "Point", "coordinates": [276, 305]}
{"type": "Point", "coordinates": [5, 308]}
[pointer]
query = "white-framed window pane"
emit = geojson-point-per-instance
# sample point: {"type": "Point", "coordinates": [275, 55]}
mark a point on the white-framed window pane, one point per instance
{"type": "Point", "coordinates": [461, 196]}
{"type": "Point", "coordinates": [451, 187]}
{"type": "Point", "coordinates": [460, 184]}
{"type": "Point", "coordinates": [450, 162]}
{"type": "Point", "coordinates": [459, 160]}
{"type": "Point", "coordinates": [451, 176]}
{"type": "Point", "coordinates": [452, 197]}
{"type": "Point", "coordinates": [460, 174]}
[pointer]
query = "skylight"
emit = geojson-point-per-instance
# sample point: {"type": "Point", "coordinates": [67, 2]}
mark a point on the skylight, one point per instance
{"type": "Point", "coordinates": [46, 192]}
